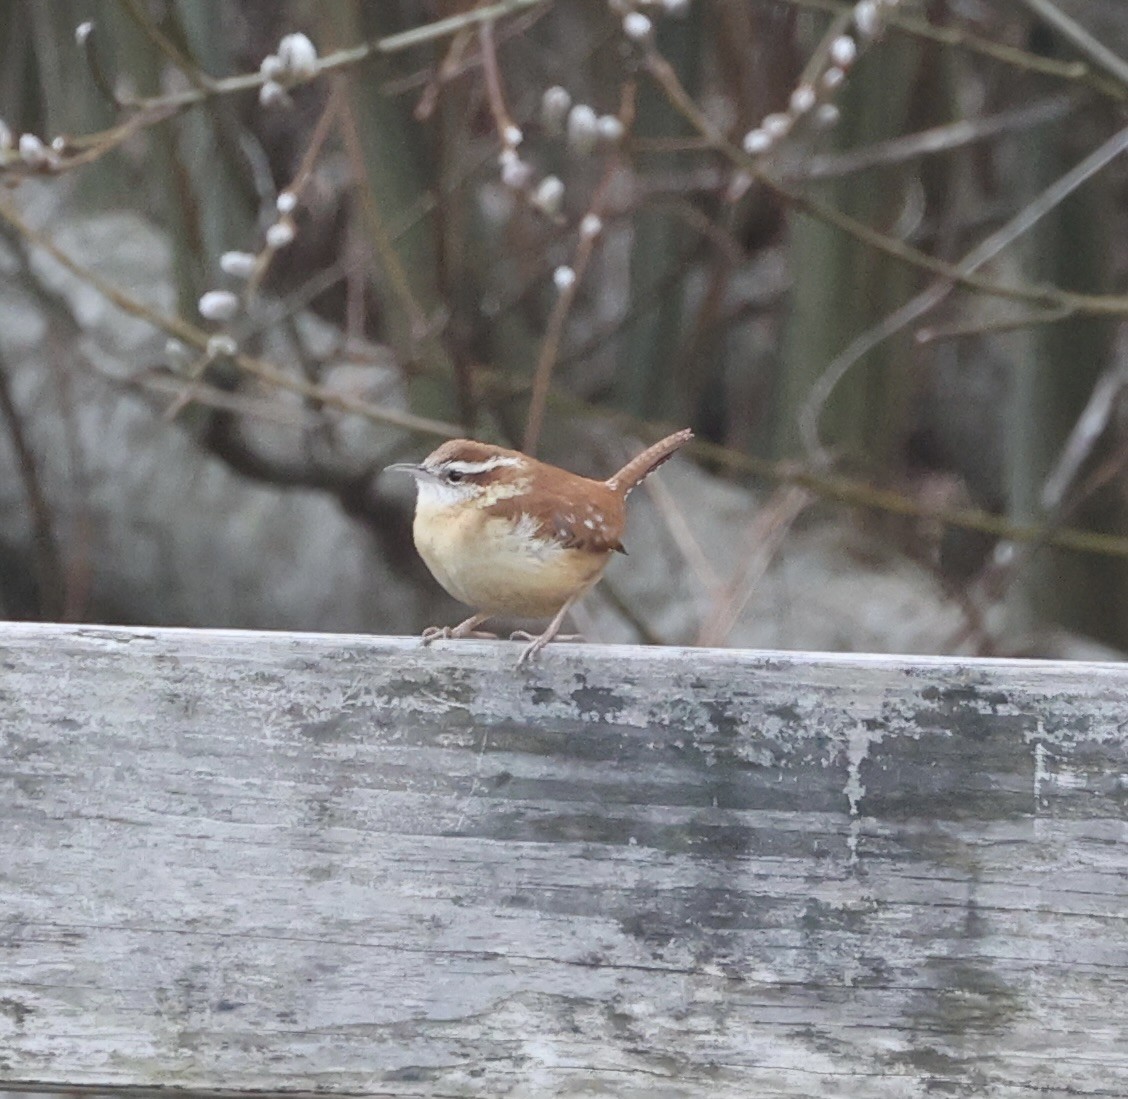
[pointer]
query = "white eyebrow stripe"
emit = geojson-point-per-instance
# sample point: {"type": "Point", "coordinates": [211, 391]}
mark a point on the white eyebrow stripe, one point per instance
{"type": "Point", "coordinates": [467, 469]}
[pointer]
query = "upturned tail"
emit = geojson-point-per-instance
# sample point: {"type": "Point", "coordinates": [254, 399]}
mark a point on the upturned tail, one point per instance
{"type": "Point", "coordinates": [639, 468]}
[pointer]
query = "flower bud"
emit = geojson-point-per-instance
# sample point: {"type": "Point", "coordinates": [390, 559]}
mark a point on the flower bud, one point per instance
{"type": "Point", "coordinates": [591, 226]}
{"type": "Point", "coordinates": [756, 142]}
{"type": "Point", "coordinates": [280, 234]}
{"type": "Point", "coordinates": [802, 99]}
{"type": "Point", "coordinates": [637, 26]}
{"type": "Point", "coordinates": [843, 51]}
{"type": "Point", "coordinates": [240, 265]}
{"type": "Point", "coordinates": [218, 305]}
{"type": "Point", "coordinates": [549, 195]}
{"type": "Point", "coordinates": [563, 277]}
{"type": "Point", "coordinates": [221, 344]}
{"type": "Point", "coordinates": [298, 56]}
{"type": "Point", "coordinates": [33, 152]}
{"type": "Point", "coordinates": [554, 109]}
{"type": "Point", "coordinates": [583, 129]}
{"type": "Point", "coordinates": [609, 128]}
{"type": "Point", "coordinates": [272, 94]}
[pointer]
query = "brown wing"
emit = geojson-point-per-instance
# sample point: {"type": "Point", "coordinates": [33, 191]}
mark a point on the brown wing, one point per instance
{"type": "Point", "coordinates": [570, 530]}
{"type": "Point", "coordinates": [571, 510]}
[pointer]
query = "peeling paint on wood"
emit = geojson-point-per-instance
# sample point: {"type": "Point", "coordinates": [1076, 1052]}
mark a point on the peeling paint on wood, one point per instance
{"type": "Point", "coordinates": [321, 863]}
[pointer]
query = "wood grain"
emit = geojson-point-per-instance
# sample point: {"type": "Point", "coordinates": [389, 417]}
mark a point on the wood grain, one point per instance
{"type": "Point", "coordinates": [332, 863]}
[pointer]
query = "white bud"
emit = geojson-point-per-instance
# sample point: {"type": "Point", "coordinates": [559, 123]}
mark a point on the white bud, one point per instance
{"type": "Point", "coordinates": [756, 142]}
{"type": "Point", "coordinates": [271, 67]}
{"type": "Point", "coordinates": [272, 94]}
{"type": "Point", "coordinates": [636, 25]}
{"type": "Point", "coordinates": [515, 172]}
{"type": "Point", "coordinates": [59, 144]}
{"type": "Point", "coordinates": [827, 115]}
{"type": "Point", "coordinates": [286, 202]}
{"type": "Point", "coordinates": [177, 354]}
{"type": "Point", "coordinates": [776, 125]}
{"type": "Point", "coordinates": [549, 195]}
{"type": "Point", "coordinates": [843, 51]}
{"type": "Point", "coordinates": [591, 225]}
{"type": "Point", "coordinates": [221, 344]}
{"type": "Point", "coordinates": [298, 56]}
{"type": "Point", "coordinates": [512, 136]}
{"type": "Point", "coordinates": [554, 109]}
{"type": "Point", "coordinates": [583, 129]}
{"type": "Point", "coordinates": [676, 7]}
{"type": "Point", "coordinates": [609, 129]}
{"type": "Point", "coordinates": [83, 31]}
{"type": "Point", "coordinates": [33, 152]}
{"type": "Point", "coordinates": [280, 234]}
{"type": "Point", "coordinates": [563, 277]}
{"type": "Point", "coordinates": [738, 186]}
{"type": "Point", "coordinates": [218, 305]}
{"type": "Point", "coordinates": [867, 18]}
{"type": "Point", "coordinates": [802, 99]}
{"type": "Point", "coordinates": [832, 78]}
{"type": "Point", "coordinates": [240, 265]}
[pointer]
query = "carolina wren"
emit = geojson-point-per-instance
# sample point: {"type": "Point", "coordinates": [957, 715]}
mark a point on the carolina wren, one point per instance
{"type": "Point", "coordinates": [507, 534]}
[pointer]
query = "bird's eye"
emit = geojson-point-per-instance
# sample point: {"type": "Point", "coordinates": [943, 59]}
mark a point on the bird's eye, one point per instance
{"type": "Point", "coordinates": [454, 476]}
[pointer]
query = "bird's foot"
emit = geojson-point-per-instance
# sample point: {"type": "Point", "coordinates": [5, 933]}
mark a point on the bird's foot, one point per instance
{"type": "Point", "coordinates": [524, 635]}
{"type": "Point", "coordinates": [538, 642]}
{"type": "Point", "coordinates": [463, 629]}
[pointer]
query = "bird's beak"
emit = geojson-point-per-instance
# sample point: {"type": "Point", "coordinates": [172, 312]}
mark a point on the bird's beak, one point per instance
{"type": "Point", "coordinates": [416, 471]}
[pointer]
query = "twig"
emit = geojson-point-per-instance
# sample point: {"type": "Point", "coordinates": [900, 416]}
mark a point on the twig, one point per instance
{"type": "Point", "coordinates": [50, 573]}
{"type": "Point", "coordinates": [1050, 297]}
{"type": "Point", "coordinates": [1010, 559]}
{"type": "Point", "coordinates": [590, 231]}
{"type": "Point", "coordinates": [198, 339]}
{"type": "Point", "coordinates": [88, 42]}
{"type": "Point", "coordinates": [764, 537]}
{"type": "Point", "coordinates": [508, 131]}
{"type": "Point", "coordinates": [1073, 71]}
{"type": "Point", "coordinates": [1081, 40]}
{"type": "Point", "coordinates": [681, 532]}
{"type": "Point", "coordinates": [321, 131]}
{"type": "Point", "coordinates": [166, 46]}
{"type": "Point", "coordinates": [940, 332]}
{"type": "Point", "coordinates": [418, 329]}
{"type": "Point", "coordinates": [1088, 429]}
{"type": "Point", "coordinates": [937, 139]}
{"type": "Point", "coordinates": [916, 307]}
{"type": "Point", "coordinates": [554, 332]}
{"type": "Point", "coordinates": [159, 108]}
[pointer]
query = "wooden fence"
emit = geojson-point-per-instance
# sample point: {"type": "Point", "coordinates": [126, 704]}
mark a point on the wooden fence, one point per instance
{"type": "Point", "coordinates": [236, 862]}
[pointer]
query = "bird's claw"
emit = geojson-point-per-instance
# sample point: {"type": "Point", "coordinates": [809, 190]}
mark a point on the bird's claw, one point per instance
{"type": "Point", "coordinates": [524, 635]}
{"type": "Point", "coordinates": [453, 633]}
{"type": "Point", "coordinates": [538, 642]}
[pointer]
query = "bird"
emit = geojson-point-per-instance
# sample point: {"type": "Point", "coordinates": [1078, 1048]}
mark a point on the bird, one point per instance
{"type": "Point", "coordinates": [507, 534]}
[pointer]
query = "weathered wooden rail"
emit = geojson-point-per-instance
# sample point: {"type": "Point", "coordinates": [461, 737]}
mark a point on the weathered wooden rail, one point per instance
{"type": "Point", "coordinates": [234, 862]}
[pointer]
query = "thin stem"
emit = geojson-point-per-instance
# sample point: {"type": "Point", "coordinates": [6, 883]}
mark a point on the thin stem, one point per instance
{"type": "Point", "coordinates": [50, 573]}
{"type": "Point", "coordinates": [503, 121]}
{"type": "Point", "coordinates": [984, 252]}
{"type": "Point", "coordinates": [198, 339]}
{"type": "Point", "coordinates": [554, 330]}
{"type": "Point", "coordinates": [1073, 71]}
{"type": "Point", "coordinates": [1081, 40]}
